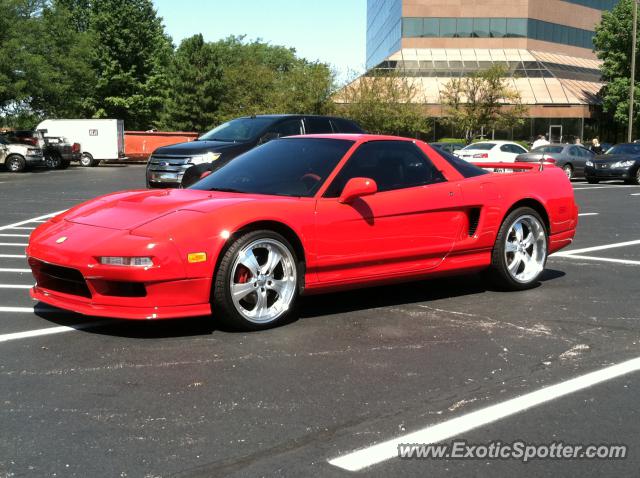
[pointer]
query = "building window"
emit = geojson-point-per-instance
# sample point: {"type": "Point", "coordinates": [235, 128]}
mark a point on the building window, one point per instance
{"type": "Point", "coordinates": [496, 28]}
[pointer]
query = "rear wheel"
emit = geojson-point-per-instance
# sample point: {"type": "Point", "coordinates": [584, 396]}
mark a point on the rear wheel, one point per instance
{"type": "Point", "coordinates": [256, 284]}
{"type": "Point", "coordinates": [520, 251]}
{"type": "Point", "coordinates": [592, 181]}
{"type": "Point", "coordinates": [15, 163]}
{"type": "Point", "coordinates": [568, 170]}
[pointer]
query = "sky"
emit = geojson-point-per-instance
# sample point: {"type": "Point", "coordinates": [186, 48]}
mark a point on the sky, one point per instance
{"type": "Point", "coordinates": [332, 31]}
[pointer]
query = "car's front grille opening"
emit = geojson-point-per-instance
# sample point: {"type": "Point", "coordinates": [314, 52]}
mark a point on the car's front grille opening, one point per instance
{"type": "Point", "coordinates": [59, 279]}
{"type": "Point", "coordinates": [119, 288]}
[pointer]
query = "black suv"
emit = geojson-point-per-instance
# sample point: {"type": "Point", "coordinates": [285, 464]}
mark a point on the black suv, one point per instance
{"type": "Point", "coordinates": [182, 164]}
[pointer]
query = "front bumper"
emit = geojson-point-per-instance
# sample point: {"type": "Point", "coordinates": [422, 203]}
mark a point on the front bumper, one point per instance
{"type": "Point", "coordinates": [69, 276]}
{"type": "Point", "coordinates": [34, 160]}
{"type": "Point", "coordinates": [592, 172]}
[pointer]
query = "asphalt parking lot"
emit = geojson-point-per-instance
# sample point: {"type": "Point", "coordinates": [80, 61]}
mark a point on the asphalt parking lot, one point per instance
{"type": "Point", "coordinates": [81, 396]}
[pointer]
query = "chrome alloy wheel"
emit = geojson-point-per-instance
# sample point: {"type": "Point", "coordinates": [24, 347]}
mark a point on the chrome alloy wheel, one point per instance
{"type": "Point", "coordinates": [525, 249]}
{"type": "Point", "coordinates": [263, 280]}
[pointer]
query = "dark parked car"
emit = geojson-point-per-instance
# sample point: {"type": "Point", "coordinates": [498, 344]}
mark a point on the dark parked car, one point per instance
{"type": "Point", "coordinates": [622, 161]}
{"type": "Point", "coordinates": [571, 158]}
{"type": "Point", "coordinates": [447, 147]}
{"type": "Point", "coordinates": [182, 164]}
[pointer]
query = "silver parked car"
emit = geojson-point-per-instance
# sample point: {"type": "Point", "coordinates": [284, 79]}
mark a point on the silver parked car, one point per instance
{"type": "Point", "coordinates": [17, 157]}
{"type": "Point", "coordinates": [572, 158]}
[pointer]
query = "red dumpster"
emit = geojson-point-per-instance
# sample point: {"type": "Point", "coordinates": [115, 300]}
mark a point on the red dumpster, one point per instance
{"type": "Point", "coordinates": [138, 145]}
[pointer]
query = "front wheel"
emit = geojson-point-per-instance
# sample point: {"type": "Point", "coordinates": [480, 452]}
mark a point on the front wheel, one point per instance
{"type": "Point", "coordinates": [520, 251]}
{"type": "Point", "coordinates": [257, 282]}
{"type": "Point", "coordinates": [15, 163]}
{"type": "Point", "coordinates": [53, 161]}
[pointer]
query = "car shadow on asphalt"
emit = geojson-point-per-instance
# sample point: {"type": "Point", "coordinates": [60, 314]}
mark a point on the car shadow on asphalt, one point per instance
{"type": "Point", "coordinates": [309, 307]}
{"type": "Point", "coordinates": [404, 294]}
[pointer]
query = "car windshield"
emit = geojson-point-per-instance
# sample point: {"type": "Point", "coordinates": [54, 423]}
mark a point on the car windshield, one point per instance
{"type": "Point", "coordinates": [481, 146]}
{"type": "Point", "coordinates": [242, 129]}
{"type": "Point", "coordinates": [284, 167]}
{"type": "Point", "coordinates": [625, 149]}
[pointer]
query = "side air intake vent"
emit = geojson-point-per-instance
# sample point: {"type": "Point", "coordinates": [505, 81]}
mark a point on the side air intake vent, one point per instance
{"type": "Point", "coordinates": [474, 219]}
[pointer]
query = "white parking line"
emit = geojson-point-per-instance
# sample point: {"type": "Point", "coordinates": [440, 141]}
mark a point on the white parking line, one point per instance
{"type": "Point", "coordinates": [387, 450]}
{"type": "Point", "coordinates": [601, 259]}
{"type": "Point", "coordinates": [27, 235]}
{"type": "Point", "coordinates": [634, 194]}
{"type": "Point", "coordinates": [15, 270]}
{"type": "Point", "coordinates": [27, 221]}
{"type": "Point", "coordinates": [604, 187]}
{"type": "Point", "coordinates": [47, 331]}
{"type": "Point", "coordinates": [597, 248]}
{"type": "Point", "coordinates": [590, 213]}
{"type": "Point", "coordinates": [23, 228]}
{"type": "Point", "coordinates": [13, 256]}
{"type": "Point", "coordinates": [17, 310]}
{"type": "Point", "coordinates": [14, 286]}
{"type": "Point", "coordinates": [11, 244]}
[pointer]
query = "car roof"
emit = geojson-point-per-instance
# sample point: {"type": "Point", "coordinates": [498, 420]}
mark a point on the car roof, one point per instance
{"type": "Point", "coordinates": [354, 137]}
{"type": "Point", "coordinates": [287, 115]}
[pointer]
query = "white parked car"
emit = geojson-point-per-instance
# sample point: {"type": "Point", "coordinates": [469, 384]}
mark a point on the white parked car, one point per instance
{"type": "Point", "coordinates": [491, 152]}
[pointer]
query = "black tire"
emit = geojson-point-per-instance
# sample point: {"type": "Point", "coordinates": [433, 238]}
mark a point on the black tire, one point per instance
{"type": "Point", "coordinates": [568, 170]}
{"type": "Point", "coordinates": [499, 268]}
{"type": "Point", "coordinates": [222, 304]}
{"type": "Point", "coordinates": [15, 163]}
{"type": "Point", "coordinates": [593, 181]}
{"type": "Point", "coordinates": [636, 179]}
{"type": "Point", "coordinates": [88, 161]}
{"type": "Point", "coordinates": [65, 164]}
{"type": "Point", "coordinates": [53, 160]}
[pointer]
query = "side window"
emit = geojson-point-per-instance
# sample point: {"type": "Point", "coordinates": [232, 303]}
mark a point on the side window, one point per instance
{"type": "Point", "coordinates": [317, 125]}
{"type": "Point", "coordinates": [391, 164]}
{"type": "Point", "coordinates": [506, 148]}
{"type": "Point", "coordinates": [575, 151]}
{"type": "Point", "coordinates": [518, 149]}
{"type": "Point", "coordinates": [290, 127]}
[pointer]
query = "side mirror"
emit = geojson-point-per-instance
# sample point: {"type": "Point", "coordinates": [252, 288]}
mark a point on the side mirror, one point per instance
{"type": "Point", "coordinates": [357, 187]}
{"type": "Point", "coordinates": [265, 138]}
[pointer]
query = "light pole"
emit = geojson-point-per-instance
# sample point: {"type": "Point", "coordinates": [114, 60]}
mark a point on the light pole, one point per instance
{"type": "Point", "coordinates": [633, 70]}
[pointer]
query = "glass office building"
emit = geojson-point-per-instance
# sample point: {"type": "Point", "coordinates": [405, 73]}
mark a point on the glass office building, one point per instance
{"type": "Point", "coordinates": [546, 46]}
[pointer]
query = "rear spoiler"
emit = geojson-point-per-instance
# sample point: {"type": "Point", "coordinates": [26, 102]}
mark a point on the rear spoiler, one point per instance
{"type": "Point", "coordinates": [520, 167]}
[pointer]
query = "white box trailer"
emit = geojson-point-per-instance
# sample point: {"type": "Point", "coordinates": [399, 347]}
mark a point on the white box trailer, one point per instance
{"type": "Point", "coordinates": [100, 139]}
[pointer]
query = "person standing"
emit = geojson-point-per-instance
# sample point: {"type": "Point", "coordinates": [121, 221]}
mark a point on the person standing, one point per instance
{"type": "Point", "coordinates": [595, 146]}
{"type": "Point", "coordinates": [541, 141]}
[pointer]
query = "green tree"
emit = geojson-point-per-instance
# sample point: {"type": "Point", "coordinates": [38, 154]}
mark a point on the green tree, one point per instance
{"type": "Point", "coordinates": [613, 45]}
{"type": "Point", "coordinates": [483, 99]}
{"type": "Point", "coordinates": [260, 78]}
{"type": "Point", "coordinates": [132, 56]}
{"type": "Point", "coordinates": [196, 86]}
{"type": "Point", "coordinates": [383, 103]}
{"type": "Point", "coordinates": [43, 64]}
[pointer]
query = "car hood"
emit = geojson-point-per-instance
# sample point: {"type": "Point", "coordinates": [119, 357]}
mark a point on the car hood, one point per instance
{"type": "Point", "coordinates": [199, 147]}
{"type": "Point", "coordinates": [132, 209]}
{"type": "Point", "coordinates": [614, 158]}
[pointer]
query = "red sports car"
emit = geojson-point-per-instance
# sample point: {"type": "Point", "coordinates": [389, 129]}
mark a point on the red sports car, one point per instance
{"type": "Point", "coordinates": [300, 215]}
